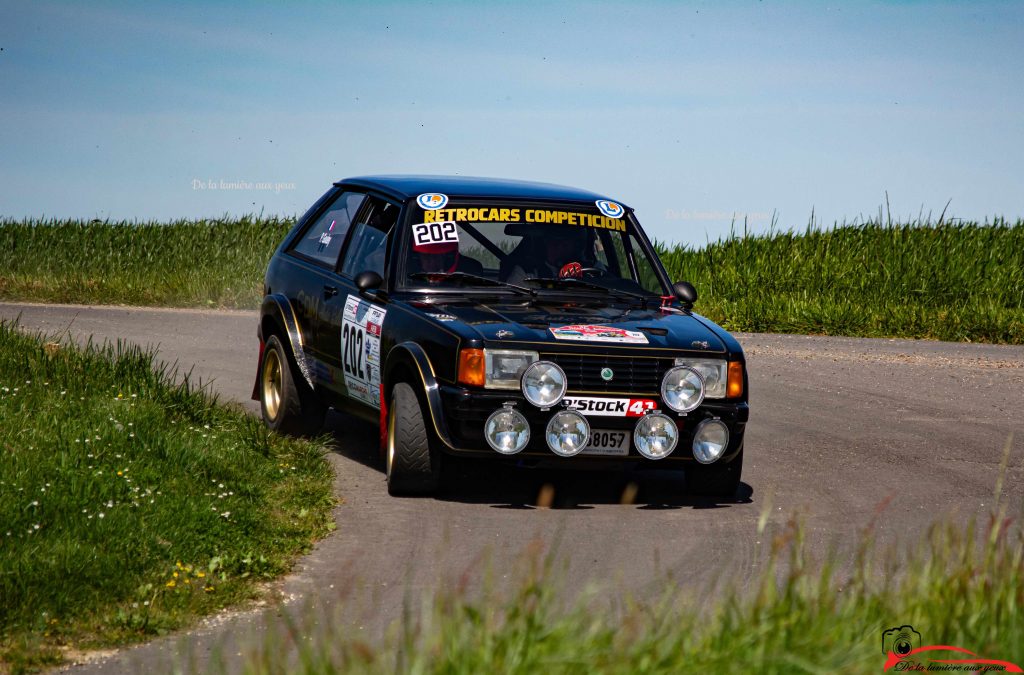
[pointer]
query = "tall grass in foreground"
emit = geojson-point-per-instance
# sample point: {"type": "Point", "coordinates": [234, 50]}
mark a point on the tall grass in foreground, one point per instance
{"type": "Point", "coordinates": [182, 263]}
{"type": "Point", "coordinates": [954, 281]}
{"type": "Point", "coordinates": [130, 504]}
{"type": "Point", "coordinates": [806, 613]}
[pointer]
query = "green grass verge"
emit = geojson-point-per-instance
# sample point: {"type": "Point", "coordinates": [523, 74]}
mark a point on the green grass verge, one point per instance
{"type": "Point", "coordinates": [961, 281]}
{"type": "Point", "coordinates": [178, 264]}
{"type": "Point", "coordinates": [804, 613]}
{"type": "Point", "coordinates": [129, 504]}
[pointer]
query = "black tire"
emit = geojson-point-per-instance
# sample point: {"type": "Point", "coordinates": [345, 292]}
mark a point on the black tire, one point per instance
{"type": "Point", "coordinates": [288, 404]}
{"type": "Point", "coordinates": [413, 465]}
{"type": "Point", "coordinates": [715, 480]}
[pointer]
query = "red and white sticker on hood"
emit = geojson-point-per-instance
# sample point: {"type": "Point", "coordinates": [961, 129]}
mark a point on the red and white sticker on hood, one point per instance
{"type": "Point", "coordinates": [591, 333]}
{"type": "Point", "coordinates": [610, 407]}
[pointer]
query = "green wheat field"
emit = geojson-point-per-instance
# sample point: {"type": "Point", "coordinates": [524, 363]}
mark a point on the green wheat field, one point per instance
{"type": "Point", "coordinates": [950, 281]}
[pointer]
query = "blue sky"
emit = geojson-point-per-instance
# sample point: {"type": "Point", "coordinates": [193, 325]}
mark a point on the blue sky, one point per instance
{"type": "Point", "coordinates": [688, 112]}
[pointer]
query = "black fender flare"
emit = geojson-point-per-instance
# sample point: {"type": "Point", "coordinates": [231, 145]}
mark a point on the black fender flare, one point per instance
{"type": "Point", "coordinates": [278, 309]}
{"type": "Point", "coordinates": [410, 357]}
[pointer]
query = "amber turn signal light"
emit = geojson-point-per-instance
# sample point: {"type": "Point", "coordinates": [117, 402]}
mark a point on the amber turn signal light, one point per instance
{"type": "Point", "coordinates": [735, 386]}
{"type": "Point", "coordinates": [471, 367]}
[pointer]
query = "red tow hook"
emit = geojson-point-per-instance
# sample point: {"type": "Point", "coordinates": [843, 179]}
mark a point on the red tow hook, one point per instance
{"type": "Point", "coordinates": [256, 384]}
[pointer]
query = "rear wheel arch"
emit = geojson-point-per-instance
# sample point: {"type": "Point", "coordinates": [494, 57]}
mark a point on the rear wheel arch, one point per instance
{"type": "Point", "coordinates": [271, 325]}
{"type": "Point", "coordinates": [278, 318]}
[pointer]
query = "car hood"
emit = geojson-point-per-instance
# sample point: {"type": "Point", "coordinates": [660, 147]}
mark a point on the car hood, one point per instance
{"type": "Point", "coordinates": [571, 325]}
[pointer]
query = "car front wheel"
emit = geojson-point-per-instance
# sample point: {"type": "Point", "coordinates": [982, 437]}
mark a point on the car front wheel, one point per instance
{"type": "Point", "coordinates": [413, 467]}
{"type": "Point", "coordinates": [288, 403]}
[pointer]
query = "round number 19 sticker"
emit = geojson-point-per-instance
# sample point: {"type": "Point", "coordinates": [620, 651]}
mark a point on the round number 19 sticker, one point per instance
{"type": "Point", "coordinates": [610, 209]}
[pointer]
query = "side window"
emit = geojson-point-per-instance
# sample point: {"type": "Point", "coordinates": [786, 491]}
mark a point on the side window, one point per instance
{"type": "Point", "coordinates": [648, 278]}
{"type": "Point", "coordinates": [368, 247]}
{"type": "Point", "coordinates": [322, 240]}
{"type": "Point", "coordinates": [602, 243]}
{"type": "Point", "coordinates": [618, 259]}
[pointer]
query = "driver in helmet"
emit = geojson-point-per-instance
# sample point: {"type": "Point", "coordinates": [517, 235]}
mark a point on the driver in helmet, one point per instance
{"type": "Point", "coordinates": [559, 255]}
{"type": "Point", "coordinates": [437, 258]}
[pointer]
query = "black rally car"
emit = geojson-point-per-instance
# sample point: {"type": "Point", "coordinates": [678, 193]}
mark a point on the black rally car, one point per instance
{"type": "Point", "coordinates": [513, 320]}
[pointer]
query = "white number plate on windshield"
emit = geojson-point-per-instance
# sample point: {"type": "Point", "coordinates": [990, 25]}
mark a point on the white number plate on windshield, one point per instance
{"type": "Point", "coordinates": [608, 442]}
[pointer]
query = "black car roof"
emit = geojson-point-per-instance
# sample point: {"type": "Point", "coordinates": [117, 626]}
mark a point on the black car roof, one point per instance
{"type": "Point", "coordinates": [408, 186]}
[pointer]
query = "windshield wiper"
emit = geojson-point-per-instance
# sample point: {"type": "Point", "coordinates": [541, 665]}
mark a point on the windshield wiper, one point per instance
{"type": "Point", "coordinates": [579, 283]}
{"type": "Point", "coordinates": [468, 279]}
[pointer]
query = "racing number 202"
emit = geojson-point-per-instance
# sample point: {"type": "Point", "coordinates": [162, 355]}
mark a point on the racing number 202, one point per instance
{"type": "Point", "coordinates": [434, 233]}
{"type": "Point", "coordinates": [353, 337]}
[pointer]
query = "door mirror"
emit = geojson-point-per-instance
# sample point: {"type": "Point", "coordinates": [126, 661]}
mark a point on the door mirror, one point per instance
{"type": "Point", "coordinates": [368, 281]}
{"type": "Point", "coordinates": [686, 293]}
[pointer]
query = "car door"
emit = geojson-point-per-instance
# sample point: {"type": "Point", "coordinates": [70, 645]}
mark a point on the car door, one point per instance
{"type": "Point", "coordinates": [314, 256]}
{"type": "Point", "coordinates": [351, 331]}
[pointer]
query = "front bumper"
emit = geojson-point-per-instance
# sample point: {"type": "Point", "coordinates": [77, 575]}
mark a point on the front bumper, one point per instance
{"type": "Point", "coordinates": [465, 411]}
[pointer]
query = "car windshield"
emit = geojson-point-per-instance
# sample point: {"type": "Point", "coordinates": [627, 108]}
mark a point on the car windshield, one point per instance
{"type": "Point", "coordinates": [567, 247]}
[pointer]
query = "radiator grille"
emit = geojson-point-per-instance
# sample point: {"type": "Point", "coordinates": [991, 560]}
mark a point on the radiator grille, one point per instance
{"type": "Point", "coordinates": [634, 376]}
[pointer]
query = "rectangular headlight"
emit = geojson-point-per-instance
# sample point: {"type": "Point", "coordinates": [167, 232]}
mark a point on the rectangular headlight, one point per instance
{"type": "Point", "coordinates": [504, 367]}
{"type": "Point", "coordinates": [714, 371]}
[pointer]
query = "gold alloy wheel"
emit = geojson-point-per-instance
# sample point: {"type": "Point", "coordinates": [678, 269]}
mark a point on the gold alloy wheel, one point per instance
{"type": "Point", "coordinates": [391, 439]}
{"type": "Point", "coordinates": [272, 383]}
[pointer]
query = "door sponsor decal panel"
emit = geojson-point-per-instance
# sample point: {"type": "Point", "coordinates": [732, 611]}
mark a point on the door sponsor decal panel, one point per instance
{"type": "Point", "coordinates": [360, 349]}
{"type": "Point", "coordinates": [610, 407]}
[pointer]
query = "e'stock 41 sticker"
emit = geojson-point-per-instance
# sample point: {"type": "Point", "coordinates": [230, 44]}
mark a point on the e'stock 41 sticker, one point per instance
{"type": "Point", "coordinates": [610, 209]}
{"type": "Point", "coordinates": [610, 407]}
{"type": "Point", "coordinates": [431, 201]}
{"type": "Point", "coordinates": [588, 333]}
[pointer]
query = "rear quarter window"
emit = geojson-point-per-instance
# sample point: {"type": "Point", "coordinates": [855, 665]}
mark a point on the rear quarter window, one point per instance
{"type": "Point", "coordinates": [323, 239]}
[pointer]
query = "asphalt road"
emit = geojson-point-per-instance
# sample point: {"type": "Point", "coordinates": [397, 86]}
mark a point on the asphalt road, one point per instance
{"type": "Point", "coordinates": [841, 430]}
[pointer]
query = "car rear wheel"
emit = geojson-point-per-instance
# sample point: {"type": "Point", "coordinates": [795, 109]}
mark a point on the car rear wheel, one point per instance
{"type": "Point", "coordinates": [715, 480]}
{"type": "Point", "coordinates": [413, 466]}
{"type": "Point", "coordinates": [288, 403]}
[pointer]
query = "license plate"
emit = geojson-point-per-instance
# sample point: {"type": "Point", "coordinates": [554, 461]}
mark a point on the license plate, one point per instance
{"type": "Point", "coordinates": [613, 442]}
